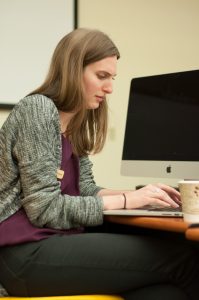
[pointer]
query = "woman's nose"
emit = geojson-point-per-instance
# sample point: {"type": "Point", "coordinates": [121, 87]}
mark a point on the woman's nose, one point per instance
{"type": "Point", "coordinates": [108, 87]}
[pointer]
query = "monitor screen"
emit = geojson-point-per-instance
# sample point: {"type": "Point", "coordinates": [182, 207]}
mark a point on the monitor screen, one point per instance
{"type": "Point", "coordinates": [161, 135]}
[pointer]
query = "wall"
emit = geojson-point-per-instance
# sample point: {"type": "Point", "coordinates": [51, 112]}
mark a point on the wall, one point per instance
{"type": "Point", "coordinates": [3, 116]}
{"type": "Point", "coordinates": [29, 32]}
{"type": "Point", "coordinates": [154, 37]}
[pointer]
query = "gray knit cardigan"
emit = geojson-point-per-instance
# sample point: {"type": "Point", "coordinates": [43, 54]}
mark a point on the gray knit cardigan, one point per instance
{"type": "Point", "coordinates": [30, 155]}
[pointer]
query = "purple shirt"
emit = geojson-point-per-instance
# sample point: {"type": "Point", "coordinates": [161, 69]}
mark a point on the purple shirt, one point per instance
{"type": "Point", "coordinates": [17, 228]}
{"type": "Point", "coordinates": [70, 165]}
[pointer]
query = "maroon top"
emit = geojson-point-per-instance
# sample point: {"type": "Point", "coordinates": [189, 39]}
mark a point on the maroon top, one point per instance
{"type": "Point", "coordinates": [17, 228]}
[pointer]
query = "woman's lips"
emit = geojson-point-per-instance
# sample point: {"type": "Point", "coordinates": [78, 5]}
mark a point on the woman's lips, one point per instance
{"type": "Point", "coordinates": [100, 98]}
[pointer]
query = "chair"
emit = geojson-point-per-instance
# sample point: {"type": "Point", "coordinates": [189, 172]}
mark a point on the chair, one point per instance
{"type": "Point", "coordinates": [79, 297]}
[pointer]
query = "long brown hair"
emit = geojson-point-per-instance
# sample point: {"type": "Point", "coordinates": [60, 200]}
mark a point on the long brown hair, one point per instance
{"type": "Point", "coordinates": [88, 128]}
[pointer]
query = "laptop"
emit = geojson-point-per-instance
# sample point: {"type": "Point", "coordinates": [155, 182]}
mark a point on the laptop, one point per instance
{"type": "Point", "coordinates": [147, 211]}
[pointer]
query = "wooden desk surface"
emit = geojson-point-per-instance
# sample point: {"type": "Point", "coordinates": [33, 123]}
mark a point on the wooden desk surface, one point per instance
{"type": "Point", "coordinates": [160, 223]}
{"type": "Point", "coordinates": [192, 234]}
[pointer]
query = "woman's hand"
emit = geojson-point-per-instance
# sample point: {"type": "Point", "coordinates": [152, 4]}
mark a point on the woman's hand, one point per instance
{"type": "Point", "coordinates": [159, 194]}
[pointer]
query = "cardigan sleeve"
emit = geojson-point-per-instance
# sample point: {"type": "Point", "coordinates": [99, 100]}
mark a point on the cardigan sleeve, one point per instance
{"type": "Point", "coordinates": [37, 148]}
{"type": "Point", "coordinates": [87, 183]}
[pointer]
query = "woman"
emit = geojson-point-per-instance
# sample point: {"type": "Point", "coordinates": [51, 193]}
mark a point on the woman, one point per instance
{"type": "Point", "coordinates": [49, 199]}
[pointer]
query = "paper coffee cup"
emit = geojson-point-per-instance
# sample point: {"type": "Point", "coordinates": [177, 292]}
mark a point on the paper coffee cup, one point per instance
{"type": "Point", "coordinates": [189, 191]}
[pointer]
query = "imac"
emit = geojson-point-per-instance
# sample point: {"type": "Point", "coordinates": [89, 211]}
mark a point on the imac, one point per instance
{"type": "Point", "coordinates": [162, 127]}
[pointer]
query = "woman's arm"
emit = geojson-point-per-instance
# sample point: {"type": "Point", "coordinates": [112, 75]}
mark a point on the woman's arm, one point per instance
{"type": "Point", "coordinates": [38, 155]}
{"type": "Point", "coordinates": [159, 194]}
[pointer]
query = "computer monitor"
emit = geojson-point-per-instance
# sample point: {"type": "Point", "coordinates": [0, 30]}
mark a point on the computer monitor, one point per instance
{"type": "Point", "coordinates": [162, 127]}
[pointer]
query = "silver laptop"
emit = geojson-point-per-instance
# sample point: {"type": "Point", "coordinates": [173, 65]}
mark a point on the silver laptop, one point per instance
{"type": "Point", "coordinates": [148, 211]}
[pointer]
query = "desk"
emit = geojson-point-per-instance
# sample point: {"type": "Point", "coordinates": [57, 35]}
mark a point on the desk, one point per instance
{"type": "Point", "coordinates": [192, 234]}
{"type": "Point", "coordinates": [163, 223]}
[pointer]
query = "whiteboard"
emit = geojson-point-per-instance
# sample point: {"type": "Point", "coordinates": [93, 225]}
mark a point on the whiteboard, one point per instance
{"type": "Point", "coordinates": [29, 33]}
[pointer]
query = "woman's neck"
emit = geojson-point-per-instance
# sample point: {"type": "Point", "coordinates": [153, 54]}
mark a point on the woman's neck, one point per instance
{"type": "Point", "coordinates": [64, 118]}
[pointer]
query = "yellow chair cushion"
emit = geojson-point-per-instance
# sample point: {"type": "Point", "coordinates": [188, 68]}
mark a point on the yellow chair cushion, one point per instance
{"type": "Point", "coordinates": [79, 297]}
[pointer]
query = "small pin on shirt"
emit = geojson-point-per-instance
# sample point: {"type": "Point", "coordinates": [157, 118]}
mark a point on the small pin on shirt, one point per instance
{"type": "Point", "coordinates": [60, 174]}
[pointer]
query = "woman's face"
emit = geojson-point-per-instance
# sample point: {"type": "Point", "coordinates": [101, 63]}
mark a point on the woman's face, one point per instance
{"type": "Point", "coordinates": [98, 80]}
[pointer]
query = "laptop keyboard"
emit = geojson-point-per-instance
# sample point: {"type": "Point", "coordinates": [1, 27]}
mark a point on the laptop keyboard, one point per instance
{"type": "Point", "coordinates": [161, 208]}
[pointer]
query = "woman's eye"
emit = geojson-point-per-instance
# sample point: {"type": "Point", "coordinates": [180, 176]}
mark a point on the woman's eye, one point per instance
{"type": "Point", "coordinates": [105, 76]}
{"type": "Point", "coordinates": [101, 76]}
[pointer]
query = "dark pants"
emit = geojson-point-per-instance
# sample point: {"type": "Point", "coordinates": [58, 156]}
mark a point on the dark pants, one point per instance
{"type": "Point", "coordinates": [137, 266]}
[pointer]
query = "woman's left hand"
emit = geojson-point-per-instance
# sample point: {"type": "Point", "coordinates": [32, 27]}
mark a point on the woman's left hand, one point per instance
{"type": "Point", "coordinates": [153, 194]}
{"type": "Point", "coordinates": [173, 193]}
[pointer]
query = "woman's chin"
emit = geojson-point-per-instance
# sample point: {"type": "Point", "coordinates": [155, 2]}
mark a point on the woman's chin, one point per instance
{"type": "Point", "coordinates": [94, 105]}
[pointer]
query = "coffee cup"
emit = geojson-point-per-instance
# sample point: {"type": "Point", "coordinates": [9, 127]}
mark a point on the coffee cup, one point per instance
{"type": "Point", "coordinates": [189, 191]}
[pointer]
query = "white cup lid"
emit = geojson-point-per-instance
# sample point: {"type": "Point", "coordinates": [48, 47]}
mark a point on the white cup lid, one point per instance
{"type": "Point", "coordinates": [192, 181]}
